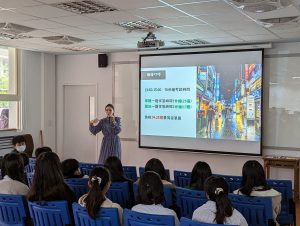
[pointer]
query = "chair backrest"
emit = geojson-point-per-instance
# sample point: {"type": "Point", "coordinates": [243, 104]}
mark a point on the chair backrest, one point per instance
{"type": "Point", "coordinates": [119, 193]}
{"type": "Point", "coordinates": [106, 217]}
{"type": "Point", "coordinates": [287, 204]}
{"type": "Point", "coordinates": [188, 200]}
{"type": "Point", "coordinates": [256, 210]}
{"type": "Point", "coordinates": [132, 218]}
{"type": "Point", "coordinates": [78, 185]}
{"type": "Point", "coordinates": [13, 210]}
{"type": "Point", "coordinates": [31, 166]}
{"type": "Point", "coordinates": [86, 168]}
{"type": "Point", "coordinates": [49, 213]}
{"type": "Point", "coordinates": [234, 182]}
{"type": "Point", "coordinates": [142, 171]}
{"type": "Point", "coordinates": [188, 222]}
{"type": "Point", "coordinates": [30, 178]}
{"type": "Point", "coordinates": [168, 194]}
{"type": "Point", "coordinates": [181, 178]}
{"type": "Point", "coordinates": [130, 172]}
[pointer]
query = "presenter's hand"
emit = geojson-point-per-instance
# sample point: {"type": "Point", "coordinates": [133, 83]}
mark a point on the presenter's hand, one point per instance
{"type": "Point", "coordinates": [94, 121]}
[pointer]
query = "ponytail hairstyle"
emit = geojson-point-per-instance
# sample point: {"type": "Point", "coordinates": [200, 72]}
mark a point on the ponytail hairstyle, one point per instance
{"type": "Point", "coordinates": [253, 176]}
{"type": "Point", "coordinates": [217, 190]}
{"type": "Point", "coordinates": [98, 179]}
{"type": "Point", "coordinates": [200, 173]}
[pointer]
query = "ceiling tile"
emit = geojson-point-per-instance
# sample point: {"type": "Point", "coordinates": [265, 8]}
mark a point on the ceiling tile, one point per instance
{"type": "Point", "coordinates": [44, 11]}
{"type": "Point", "coordinates": [69, 31]}
{"type": "Point", "coordinates": [43, 24]}
{"type": "Point", "coordinates": [14, 17]}
{"type": "Point", "coordinates": [259, 37]}
{"type": "Point", "coordinates": [177, 21]}
{"type": "Point", "coordinates": [131, 4]}
{"type": "Point", "coordinates": [114, 16]}
{"type": "Point", "coordinates": [77, 20]}
{"type": "Point", "coordinates": [18, 3]}
{"type": "Point", "coordinates": [224, 40]}
{"type": "Point", "coordinates": [40, 33]}
{"type": "Point", "coordinates": [156, 13]}
{"type": "Point", "coordinates": [103, 27]}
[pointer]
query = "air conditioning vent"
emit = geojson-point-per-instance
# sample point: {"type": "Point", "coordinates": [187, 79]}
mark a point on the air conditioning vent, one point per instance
{"type": "Point", "coordinates": [81, 49]}
{"type": "Point", "coordinates": [14, 31]}
{"type": "Point", "coordinates": [280, 20]}
{"type": "Point", "coordinates": [260, 8]}
{"type": "Point", "coordinates": [84, 6]}
{"type": "Point", "coordinates": [141, 25]}
{"type": "Point", "coordinates": [5, 36]}
{"type": "Point", "coordinates": [63, 40]}
{"type": "Point", "coordinates": [190, 42]}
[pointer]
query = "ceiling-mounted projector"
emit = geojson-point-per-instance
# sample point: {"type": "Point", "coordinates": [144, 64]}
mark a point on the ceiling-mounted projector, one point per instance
{"type": "Point", "coordinates": [150, 41]}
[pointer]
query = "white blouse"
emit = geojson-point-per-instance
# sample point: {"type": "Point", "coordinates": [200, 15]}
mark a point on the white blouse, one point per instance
{"type": "Point", "coordinates": [12, 187]}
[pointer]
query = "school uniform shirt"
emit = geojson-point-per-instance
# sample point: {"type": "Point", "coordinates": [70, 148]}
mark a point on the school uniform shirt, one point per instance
{"type": "Point", "coordinates": [155, 209]}
{"type": "Point", "coordinates": [106, 204]}
{"type": "Point", "coordinates": [275, 195]}
{"type": "Point", "coordinates": [207, 214]}
{"type": "Point", "coordinates": [12, 187]}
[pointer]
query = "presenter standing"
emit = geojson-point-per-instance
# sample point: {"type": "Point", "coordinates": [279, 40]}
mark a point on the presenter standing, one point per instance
{"type": "Point", "coordinates": [110, 127]}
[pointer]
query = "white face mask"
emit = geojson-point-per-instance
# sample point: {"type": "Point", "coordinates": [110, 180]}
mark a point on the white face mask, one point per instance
{"type": "Point", "coordinates": [21, 148]}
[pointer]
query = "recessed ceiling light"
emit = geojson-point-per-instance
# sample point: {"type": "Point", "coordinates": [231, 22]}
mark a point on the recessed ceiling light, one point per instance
{"type": "Point", "coordinates": [190, 42]}
{"type": "Point", "coordinates": [296, 77]}
{"type": "Point", "coordinates": [140, 25]}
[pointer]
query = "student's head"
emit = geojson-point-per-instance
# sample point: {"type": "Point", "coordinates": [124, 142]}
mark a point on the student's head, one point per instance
{"type": "Point", "coordinates": [200, 173]}
{"type": "Point", "coordinates": [14, 167]}
{"type": "Point", "coordinates": [156, 166]}
{"type": "Point", "coordinates": [109, 110]}
{"type": "Point", "coordinates": [150, 189]}
{"type": "Point", "coordinates": [99, 183]}
{"type": "Point", "coordinates": [70, 168]}
{"type": "Point", "coordinates": [114, 165]}
{"type": "Point", "coordinates": [48, 178]}
{"type": "Point", "coordinates": [41, 150]}
{"type": "Point", "coordinates": [25, 158]}
{"type": "Point", "coordinates": [216, 189]}
{"type": "Point", "coordinates": [253, 176]}
{"type": "Point", "coordinates": [19, 143]}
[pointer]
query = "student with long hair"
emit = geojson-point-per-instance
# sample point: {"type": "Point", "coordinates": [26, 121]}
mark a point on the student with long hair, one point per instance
{"type": "Point", "coordinates": [41, 150]}
{"type": "Point", "coordinates": [157, 166]}
{"type": "Point", "coordinates": [218, 209]}
{"type": "Point", "coordinates": [201, 171]}
{"type": "Point", "coordinates": [254, 184]}
{"type": "Point", "coordinates": [13, 182]}
{"type": "Point", "coordinates": [99, 183]}
{"type": "Point", "coordinates": [48, 181]}
{"type": "Point", "coordinates": [151, 195]}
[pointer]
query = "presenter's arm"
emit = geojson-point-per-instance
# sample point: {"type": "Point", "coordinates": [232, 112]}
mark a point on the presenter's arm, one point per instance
{"type": "Point", "coordinates": [94, 129]}
{"type": "Point", "coordinates": [117, 125]}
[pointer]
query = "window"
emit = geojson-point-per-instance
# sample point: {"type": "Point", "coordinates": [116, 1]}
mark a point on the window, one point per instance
{"type": "Point", "coordinates": [9, 89]}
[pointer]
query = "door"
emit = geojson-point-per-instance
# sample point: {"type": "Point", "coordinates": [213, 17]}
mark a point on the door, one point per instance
{"type": "Point", "coordinates": [78, 142]}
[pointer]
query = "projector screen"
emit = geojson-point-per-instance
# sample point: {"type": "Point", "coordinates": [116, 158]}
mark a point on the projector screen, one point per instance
{"type": "Point", "coordinates": [209, 101]}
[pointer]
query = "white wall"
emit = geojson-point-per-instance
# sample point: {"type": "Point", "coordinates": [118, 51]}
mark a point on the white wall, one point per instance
{"type": "Point", "coordinates": [82, 69]}
{"type": "Point", "coordinates": [37, 97]}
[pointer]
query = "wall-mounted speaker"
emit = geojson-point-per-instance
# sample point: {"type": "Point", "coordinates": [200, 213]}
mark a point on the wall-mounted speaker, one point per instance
{"type": "Point", "coordinates": [102, 60]}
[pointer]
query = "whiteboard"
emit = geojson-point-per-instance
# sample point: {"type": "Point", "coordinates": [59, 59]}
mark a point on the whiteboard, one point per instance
{"type": "Point", "coordinates": [281, 109]}
{"type": "Point", "coordinates": [126, 97]}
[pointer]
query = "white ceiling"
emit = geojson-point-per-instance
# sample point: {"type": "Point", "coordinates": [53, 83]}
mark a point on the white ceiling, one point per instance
{"type": "Point", "coordinates": [214, 21]}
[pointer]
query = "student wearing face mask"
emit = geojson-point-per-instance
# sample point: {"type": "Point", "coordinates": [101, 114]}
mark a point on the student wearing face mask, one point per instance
{"type": "Point", "coordinates": [19, 144]}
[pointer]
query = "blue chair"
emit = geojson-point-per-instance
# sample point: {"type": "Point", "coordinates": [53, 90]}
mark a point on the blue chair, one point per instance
{"type": "Point", "coordinates": [107, 217]}
{"type": "Point", "coordinates": [13, 210]}
{"type": "Point", "coordinates": [256, 210]}
{"type": "Point", "coordinates": [130, 172]}
{"type": "Point", "coordinates": [30, 178]}
{"type": "Point", "coordinates": [78, 185]}
{"type": "Point", "coordinates": [181, 178]}
{"type": "Point", "coordinates": [119, 193]}
{"type": "Point", "coordinates": [188, 222]}
{"type": "Point", "coordinates": [168, 193]}
{"type": "Point", "coordinates": [86, 168]}
{"type": "Point", "coordinates": [188, 200]}
{"type": "Point", "coordinates": [234, 182]}
{"type": "Point", "coordinates": [49, 213]}
{"type": "Point", "coordinates": [142, 171]}
{"type": "Point", "coordinates": [286, 216]}
{"type": "Point", "coordinates": [132, 218]}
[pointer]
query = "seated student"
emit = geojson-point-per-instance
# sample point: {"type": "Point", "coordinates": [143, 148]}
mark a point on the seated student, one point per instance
{"type": "Point", "coordinates": [218, 209]}
{"type": "Point", "coordinates": [99, 183]}
{"type": "Point", "coordinates": [151, 195]}
{"type": "Point", "coordinates": [13, 182]}
{"type": "Point", "coordinates": [157, 166]}
{"type": "Point", "coordinates": [70, 169]}
{"type": "Point", "coordinates": [254, 184]}
{"type": "Point", "coordinates": [48, 181]}
{"type": "Point", "coordinates": [19, 144]}
{"type": "Point", "coordinates": [114, 165]}
{"type": "Point", "coordinates": [201, 171]}
{"type": "Point", "coordinates": [41, 150]}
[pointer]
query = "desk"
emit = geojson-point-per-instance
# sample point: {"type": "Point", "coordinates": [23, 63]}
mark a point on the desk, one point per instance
{"type": "Point", "coordinates": [284, 162]}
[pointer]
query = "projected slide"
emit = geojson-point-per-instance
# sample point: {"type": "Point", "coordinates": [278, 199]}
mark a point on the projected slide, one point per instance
{"type": "Point", "coordinates": [202, 101]}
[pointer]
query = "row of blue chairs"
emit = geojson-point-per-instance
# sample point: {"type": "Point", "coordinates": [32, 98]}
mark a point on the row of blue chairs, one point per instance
{"type": "Point", "coordinates": [14, 211]}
